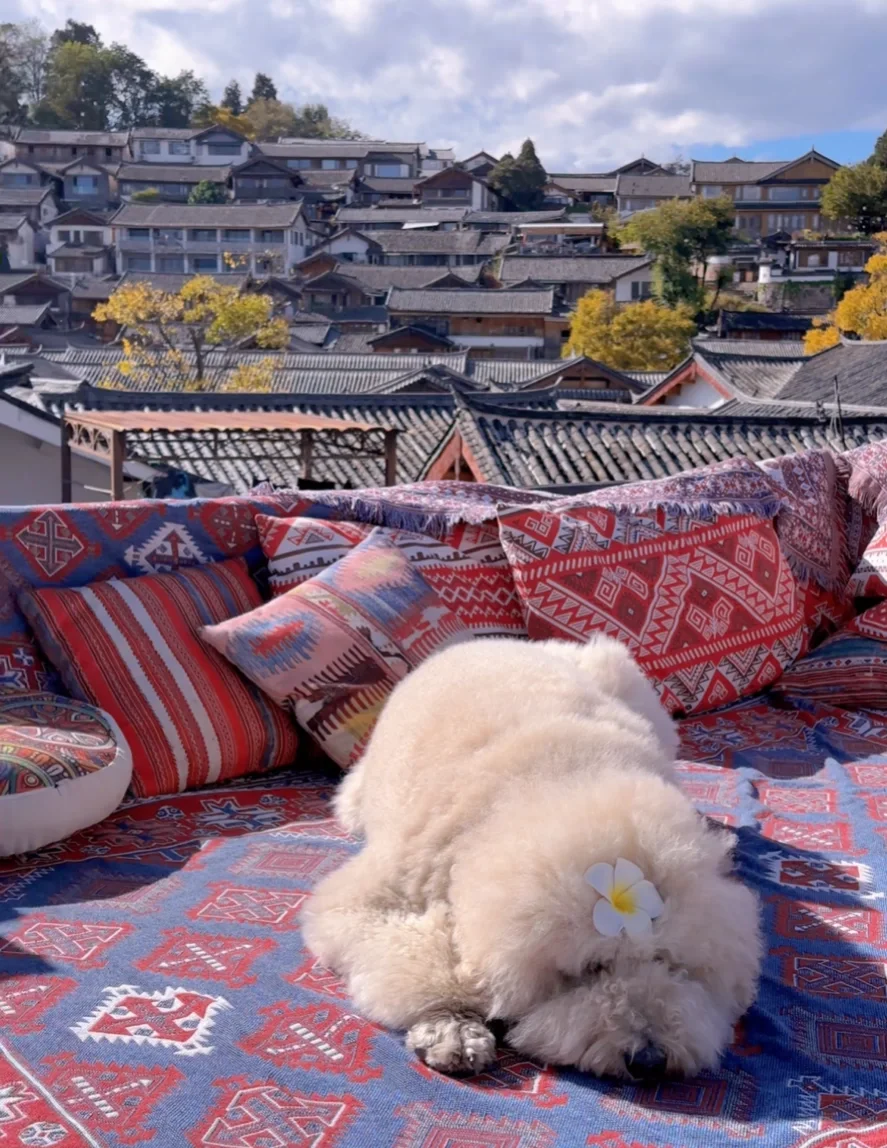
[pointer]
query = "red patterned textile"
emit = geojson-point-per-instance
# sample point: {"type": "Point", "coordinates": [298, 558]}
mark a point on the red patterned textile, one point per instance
{"type": "Point", "coordinates": [710, 610]}
{"type": "Point", "coordinates": [849, 669]}
{"type": "Point", "coordinates": [131, 647]}
{"type": "Point", "coordinates": [299, 548]}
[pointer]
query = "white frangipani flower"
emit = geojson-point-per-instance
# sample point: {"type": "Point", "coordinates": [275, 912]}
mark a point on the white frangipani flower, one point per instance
{"type": "Point", "coordinates": [628, 901]}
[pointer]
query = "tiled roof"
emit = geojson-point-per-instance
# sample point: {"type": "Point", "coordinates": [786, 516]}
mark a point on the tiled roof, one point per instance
{"type": "Point", "coordinates": [765, 321]}
{"type": "Point", "coordinates": [389, 185]}
{"type": "Point", "coordinates": [207, 215]}
{"type": "Point", "coordinates": [170, 281]}
{"type": "Point", "coordinates": [603, 184]}
{"type": "Point", "coordinates": [758, 373]}
{"type": "Point", "coordinates": [22, 316]}
{"type": "Point", "coordinates": [601, 269]}
{"type": "Point", "coordinates": [659, 186]}
{"type": "Point", "coordinates": [734, 170]}
{"type": "Point", "coordinates": [860, 369]}
{"type": "Point", "coordinates": [472, 301]}
{"type": "Point", "coordinates": [86, 139]}
{"type": "Point", "coordinates": [437, 242]}
{"type": "Point", "coordinates": [88, 249]}
{"type": "Point", "coordinates": [92, 287]}
{"type": "Point", "coordinates": [165, 133]}
{"type": "Point", "coordinates": [324, 180]}
{"type": "Point", "coordinates": [752, 348]}
{"type": "Point", "coordinates": [11, 197]}
{"type": "Point", "coordinates": [516, 218]}
{"type": "Point", "coordinates": [172, 173]}
{"type": "Point", "coordinates": [376, 278]}
{"type": "Point", "coordinates": [356, 216]}
{"type": "Point", "coordinates": [11, 222]}
{"type": "Point", "coordinates": [610, 443]}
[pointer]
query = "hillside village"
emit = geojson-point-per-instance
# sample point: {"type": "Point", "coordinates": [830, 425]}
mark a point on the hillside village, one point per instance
{"type": "Point", "coordinates": [423, 305]}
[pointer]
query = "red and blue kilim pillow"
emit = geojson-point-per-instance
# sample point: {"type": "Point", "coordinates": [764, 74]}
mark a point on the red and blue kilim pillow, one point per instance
{"type": "Point", "coordinates": [335, 647]}
{"type": "Point", "coordinates": [132, 647]}
{"type": "Point", "coordinates": [708, 606]}
{"type": "Point", "coordinates": [849, 669]}
{"type": "Point", "coordinates": [466, 566]}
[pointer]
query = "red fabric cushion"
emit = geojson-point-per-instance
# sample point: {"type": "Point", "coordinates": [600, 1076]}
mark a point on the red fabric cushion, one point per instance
{"type": "Point", "coordinates": [710, 610]}
{"type": "Point", "coordinates": [299, 548]}
{"type": "Point", "coordinates": [132, 647]}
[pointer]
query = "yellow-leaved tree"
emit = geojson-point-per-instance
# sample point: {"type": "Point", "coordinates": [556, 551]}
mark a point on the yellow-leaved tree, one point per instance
{"type": "Point", "coordinates": [167, 335]}
{"type": "Point", "coordinates": [862, 311]}
{"type": "Point", "coordinates": [643, 336]}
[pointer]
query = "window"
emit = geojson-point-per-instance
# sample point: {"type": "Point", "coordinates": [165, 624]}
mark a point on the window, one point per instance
{"type": "Point", "coordinates": [236, 235]}
{"type": "Point", "coordinates": [712, 191]}
{"type": "Point", "coordinates": [180, 190]}
{"type": "Point", "coordinates": [641, 290]}
{"type": "Point", "coordinates": [814, 259]}
{"type": "Point", "coordinates": [330, 164]}
{"type": "Point", "coordinates": [179, 147]}
{"type": "Point", "coordinates": [299, 164]}
{"type": "Point", "coordinates": [64, 236]}
{"type": "Point", "coordinates": [86, 184]}
{"type": "Point", "coordinates": [204, 263]}
{"type": "Point", "coordinates": [203, 235]}
{"type": "Point", "coordinates": [168, 235]}
{"type": "Point", "coordinates": [351, 163]}
{"type": "Point", "coordinates": [786, 193]}
{"type": "Point", "coordinates": [93, 237]}
{"type": "Point", "coordinates": [749, 192]}
{"type": "Point", "coordinates": [138, 232]}
{"type": "Point", "coordinates": [71, 264]}
{"type": "Point", "coordinates": [108, 153]}
{"type": "Point", "coordinates": [849, 258]}
{"type": "Point", "coordinates": [223, 149]}
{"type": "Point", "coordinates": [19, 179]}
{"type": "Point", "coordinates": [390, 170]}
{"type": "Point", "coordinates": [138, 263]}
{"type": "Point", "coordinates": [269, 237]}
{"type": "Point", "coordinates": [171, 263]}
{"type": "Point", "coordinates": [149, 147]}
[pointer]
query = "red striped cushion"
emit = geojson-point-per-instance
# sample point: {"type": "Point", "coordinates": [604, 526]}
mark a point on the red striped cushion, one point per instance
{"type": "Point", "coordinates": [131, 647]}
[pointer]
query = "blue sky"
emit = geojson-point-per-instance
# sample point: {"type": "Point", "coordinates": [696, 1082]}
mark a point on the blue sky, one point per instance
{"type": "Point", "coordinates": [594, 82]}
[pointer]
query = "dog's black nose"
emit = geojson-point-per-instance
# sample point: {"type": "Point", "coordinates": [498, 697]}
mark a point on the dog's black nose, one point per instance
{"type": "Point", "coordinates": [647, 1062]}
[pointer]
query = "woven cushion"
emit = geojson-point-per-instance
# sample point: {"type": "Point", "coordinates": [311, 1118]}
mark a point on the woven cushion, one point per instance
{"type": "Point", "coordinates": [709, 609]}
{"type": "Point", "coordinates": [132, 647]}
{"type": "Point", "coordinates": [849, 669]}
{"type": "Point", "coordinates": [467, 566]}
{"type": "Point", "coordinates": [63, 766]}
{"type": "Point", "coordinates": [335, 647]}
{"type": "Point", "coordinates": [299, 548]}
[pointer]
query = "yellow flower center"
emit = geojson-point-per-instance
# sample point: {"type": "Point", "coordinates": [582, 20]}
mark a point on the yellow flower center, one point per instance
{"type": "Point", "coordinates": [622, 900]}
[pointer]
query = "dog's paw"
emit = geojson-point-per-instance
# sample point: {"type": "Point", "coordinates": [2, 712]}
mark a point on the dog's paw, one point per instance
{"type": "Point", "coordinates": [453, 1042]}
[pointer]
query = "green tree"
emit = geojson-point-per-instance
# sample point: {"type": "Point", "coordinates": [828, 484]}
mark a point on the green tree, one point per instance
{"type": "Point", "coordinates": [26, 47]}
{"type": "Point", "coordinates": [146, 195]}
{"type": "Point", "coordinates": [263, 88]}
{"type": "Point", "coordinates": [11, 84]}
{"type": "Point", "coordinates": [857, 196]}
{"type": "Point", "coordinates": [269, 119]}
{"type": "Point", "coordinates": [75, 33]}
{"type": "Point", "coordinates": [133, 88]}
{"type": "Point", "coordinates": [207, 192]}
{"type": "Point", "coordinates": [879, 155]}
{"type": "Point", "coordinates": [232, 99]}
{"type": "Point", "coordinates": [683, 234]}
{"type": "Point", "coordinates": [521, 181]}
{"type": "Point", "coordinates": [176, 99]}
{"type": "Point", "coordinates": [79, 87]}
{"type": "Point", "coordinates": [630, 336]}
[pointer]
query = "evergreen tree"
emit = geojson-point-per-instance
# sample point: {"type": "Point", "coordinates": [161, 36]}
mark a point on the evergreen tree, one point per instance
{"type": "Point", "coordinates": [232, 99]}
{"type": "Point", "coordinates": [263, 88]}
{"type": "Point", "coordinates": [520, 182]}
{"type": "Point", "coordinates": [207, 192]}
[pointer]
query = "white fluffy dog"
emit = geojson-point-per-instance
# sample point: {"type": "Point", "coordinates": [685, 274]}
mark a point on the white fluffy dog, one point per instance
{"type": "Point", "coordinates": [503, 781]}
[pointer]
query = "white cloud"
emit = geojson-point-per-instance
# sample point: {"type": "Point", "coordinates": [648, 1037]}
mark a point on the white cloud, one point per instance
{"type": "Point", "coordinates": [594, 83]}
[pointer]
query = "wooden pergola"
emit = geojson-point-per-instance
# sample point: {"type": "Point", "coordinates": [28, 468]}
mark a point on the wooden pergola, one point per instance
{"type": "Point", "coordinates": [102, 434]}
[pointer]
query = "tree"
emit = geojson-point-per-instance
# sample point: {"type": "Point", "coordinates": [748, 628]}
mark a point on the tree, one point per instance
{"type": "Point", "coordinates": [146, 195]}
{"type": "Point", "coordinates": [857, 195]}
{"type": "Point", "coordinates": [862, 311]}
{"type": "Point", "coordinates": [11, 84]}
{"type": "Point", "coordinates": [208, 115]}
{"type": "Point", "coordinates": [683, 234]}
{"type": "Point", "coordinates": [207, 192]}
{"type": "Point", "coordinates": [27, 45]}
{"type": "Point", "coordinates": [167, 334]}
{"type": "Point", "coordinates": [879, 155]}
{"type": "Point", "coordinates": [176, 99]}
{"type": "Point", "coordinates": [269, 119]}
{"type": "Point", "coordinates": [263, 88]}
{"type": "Point", "coordinates": [630, 336]}
{"type": "Point", "coordinates": [79, 87]}
{"type": "Point", "coordinates": [678, 166]}
{"type": "Point", "coordinates": [232, 99]}
{"type": "Point", "coordinates": [521, 182]}
{"type": "Point", "coordinates": [75, 33]}
{"type": "Point", "coordinates": [133, 88]}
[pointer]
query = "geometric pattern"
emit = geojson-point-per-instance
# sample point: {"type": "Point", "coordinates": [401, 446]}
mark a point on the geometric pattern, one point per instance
{"type": "Point", "coordinates": [82, 943]}
{"type": "Point", "coordinates": [814, 921]}
{"type": "Point", "coordinates": [334, 647]}
{"type": "Point", "coordinates": [180, 1018]}
{"type": "Point", "coordinates": [427, 1127]}
{"type": "Point", "coordinates": [834, 976]}
{"type": "Point", "coordinates": [257, 1115]}
{"type": "Point", "coordinates": [243, 905]}
{"type": "Point", "coordinates": [203, 956]}
{"type": "Point", "coordinates": [27, 1115]}
{"type": "Point", "coordinates": [133, 648]}
{"type": "Point", "coordinates": [24, 1000]}
{"type": "Point", "coordinates": [711, 612]}
{"type": "Point", "coordinates": [514, 1076]}
{"type": "Point", "coordinates": [847, 1042]}
{"type": "Point", "coordinates": [320, 1036]}
{"type": "Point", "coordinates": [299, 548]}
{"type": "Point", "coordinates": [300, 864]}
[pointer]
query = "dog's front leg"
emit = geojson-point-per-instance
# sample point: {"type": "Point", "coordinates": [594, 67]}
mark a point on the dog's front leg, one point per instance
{"type": "Point", "coordinates": [453, 1039]}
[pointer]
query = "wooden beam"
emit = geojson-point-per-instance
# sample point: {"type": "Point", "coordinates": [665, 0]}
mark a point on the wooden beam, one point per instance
{"type": "Point", "coordinates": [307, 445]}
{"type": "Point", "coordinates": [118, 454]}
{"type": "Point", "coordinates": [391, 458]}
{"type": "Point", "coordinates": [66, 461]}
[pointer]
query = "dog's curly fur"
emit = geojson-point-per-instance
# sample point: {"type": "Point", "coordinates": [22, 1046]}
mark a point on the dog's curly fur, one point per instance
{"type": "Point", "coordinates": [498, 773]}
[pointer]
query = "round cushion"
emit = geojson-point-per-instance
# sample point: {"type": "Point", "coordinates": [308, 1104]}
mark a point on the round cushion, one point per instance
{"type": "Point", "coordinates": [63, 766]}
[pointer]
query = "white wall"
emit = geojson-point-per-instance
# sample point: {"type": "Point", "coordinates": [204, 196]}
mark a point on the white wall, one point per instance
{"type": "Point", "coordinates": [349, 245]}
{"type": "Point", "coordinates": [699, 393]}
{"type": "Point", "coordinates": [30, 472]}
{"type": "Point", "coordinates": [623, 285]}
{"type": "Point", "coordinates": [21, 249]}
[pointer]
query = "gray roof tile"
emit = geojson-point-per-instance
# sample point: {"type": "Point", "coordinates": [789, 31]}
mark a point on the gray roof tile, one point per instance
{"type": "Point", "coordinates": [602, 269]}
{"type": "Point", "coordinates": [476, 301]}
{"type": "Point", "coordinates": [206, 215]}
